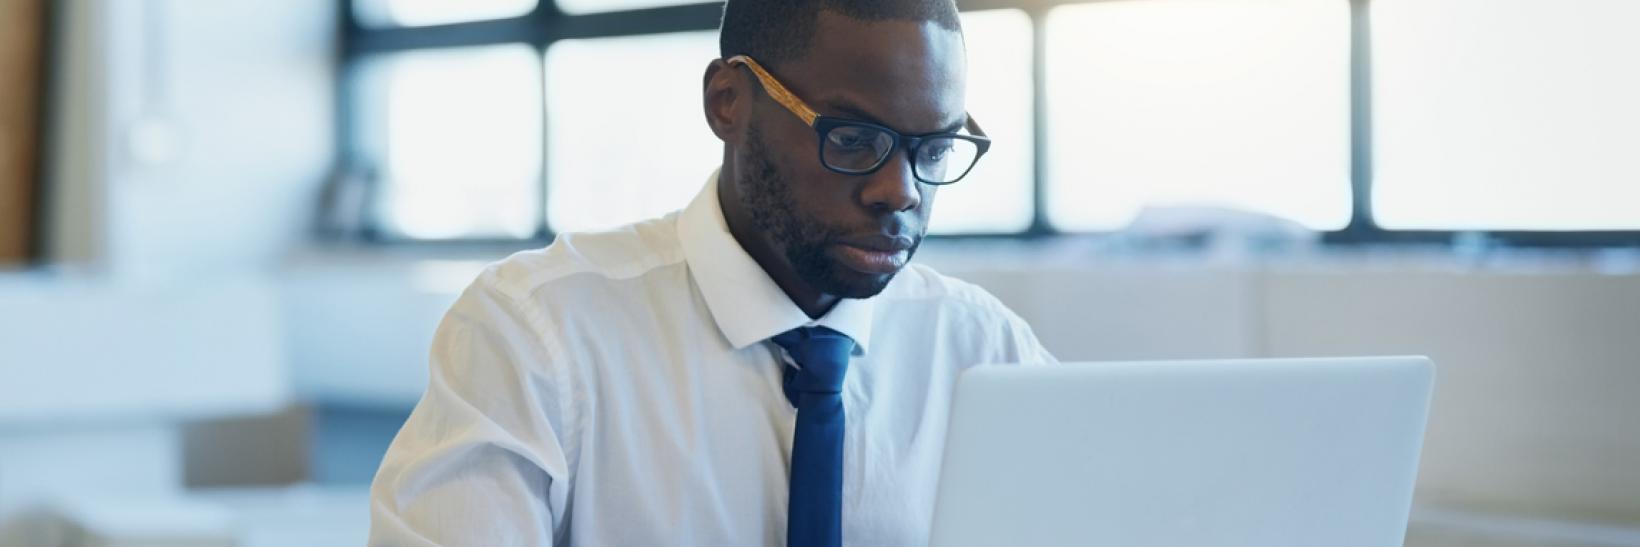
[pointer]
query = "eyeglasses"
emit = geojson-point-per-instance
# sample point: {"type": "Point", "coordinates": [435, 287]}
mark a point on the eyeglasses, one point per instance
{"type": "Point", "coordinates": [854, 147]}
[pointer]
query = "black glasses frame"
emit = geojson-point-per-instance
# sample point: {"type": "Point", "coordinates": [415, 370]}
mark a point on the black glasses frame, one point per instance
{"type": "Point", "coordinates": [823, 126]}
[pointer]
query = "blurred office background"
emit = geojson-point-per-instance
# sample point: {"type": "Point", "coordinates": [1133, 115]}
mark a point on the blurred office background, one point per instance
{"type": "Point", "coordinates": [229, 227]}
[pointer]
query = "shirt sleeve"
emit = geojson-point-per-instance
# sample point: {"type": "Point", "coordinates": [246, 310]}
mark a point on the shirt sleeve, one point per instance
{"type": "Point", "coordinates": [1023, 343]}
{"type": "Point", "coordinates": [1011, 340]}
{"type": "Point", "coordinates": [480, 462]}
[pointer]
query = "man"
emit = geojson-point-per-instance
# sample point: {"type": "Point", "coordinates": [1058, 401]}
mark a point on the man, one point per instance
{"type": "Point", "coordinates": [761, 368]}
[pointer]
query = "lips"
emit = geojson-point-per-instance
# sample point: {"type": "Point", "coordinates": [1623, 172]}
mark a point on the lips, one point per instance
{"type": "Point", "coordinates": [874, 255]}
{"type": "Point", "coordinates": [882, 243]}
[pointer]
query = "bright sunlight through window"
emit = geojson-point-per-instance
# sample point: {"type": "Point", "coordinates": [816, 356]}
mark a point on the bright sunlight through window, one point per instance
{"type": "Point", "coordinates": [462, 142]}
{"type": "Point", "coordinates": [1506, 114]}
{"type": "Point", "coordinates": [627, 140]}
{"type": "Point", "coordinates": [418, 13]}
{"type": "Point", "coordinates": [1240, 104]}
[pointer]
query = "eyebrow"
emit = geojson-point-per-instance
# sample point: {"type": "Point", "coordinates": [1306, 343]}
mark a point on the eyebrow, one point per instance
{"type": "Point", "coordinates": [860, 114]}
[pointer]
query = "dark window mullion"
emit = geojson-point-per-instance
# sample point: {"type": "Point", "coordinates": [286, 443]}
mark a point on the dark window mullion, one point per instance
{"type": "Point", "coordinates": [1361, 133]}
{"type": "Point", "coordinates": [367, 41]}
{"type": "Point", "coordinates": [661, 20]}
{"type": "Point", "coordinates": [1039, 111]}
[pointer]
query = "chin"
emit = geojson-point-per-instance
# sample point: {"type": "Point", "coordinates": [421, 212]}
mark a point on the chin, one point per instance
{"type": "Point", "coordinates": [851, 284]}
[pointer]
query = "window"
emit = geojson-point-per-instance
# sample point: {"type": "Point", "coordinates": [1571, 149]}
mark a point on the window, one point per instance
{"type": "Point", "coordinates": [417, 13]}
{"type": "Point", "coordinates": [1229, 103]}
{"type": "Point", "coordinates": [460, 134]}
{"type": "Point", "coordinates": [997, 197]}
{"type": "Point", "coordinates": [577, 7]}
{"type": "Point", "coordinates": [1506, 114]}
{"type": "Point", "coordinates": [626, 137]}
{"type": "Point", "coordinates": [514, 119]}
{"type": "Point", "coordinates": [602, 178]}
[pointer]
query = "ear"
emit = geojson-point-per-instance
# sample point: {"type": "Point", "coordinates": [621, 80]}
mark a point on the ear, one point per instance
{"type": "Point", "coordinates": [726, 101]}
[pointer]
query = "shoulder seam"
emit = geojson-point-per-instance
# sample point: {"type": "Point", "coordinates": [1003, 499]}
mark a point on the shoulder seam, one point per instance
{"type": "Point", "coordinates": [538, 280]}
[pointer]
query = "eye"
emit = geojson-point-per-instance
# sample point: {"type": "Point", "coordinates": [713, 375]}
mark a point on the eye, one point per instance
{"type": "Point", "coordinates": [936, 151]}
{"type": "Point", "coordinates": [853, 138]}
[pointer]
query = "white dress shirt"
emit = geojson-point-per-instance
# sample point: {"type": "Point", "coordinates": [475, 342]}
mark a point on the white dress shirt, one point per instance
{"type": "Point", "coordinates": [620, 389]}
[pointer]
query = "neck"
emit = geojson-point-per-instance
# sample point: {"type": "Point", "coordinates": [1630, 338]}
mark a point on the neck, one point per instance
{"type": "Point", "coordinates": [813, 302]}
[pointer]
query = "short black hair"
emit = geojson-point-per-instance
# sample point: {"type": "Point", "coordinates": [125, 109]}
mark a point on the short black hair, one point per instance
{"type": "Point", "coordinates": [776, 31]}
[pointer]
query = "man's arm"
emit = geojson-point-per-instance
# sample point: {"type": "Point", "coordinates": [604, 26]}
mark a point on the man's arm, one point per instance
{"type": "Point", "coordinates": [480, 461]}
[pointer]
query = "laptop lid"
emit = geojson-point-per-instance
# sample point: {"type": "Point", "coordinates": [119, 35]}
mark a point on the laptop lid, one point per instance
{"type": "Point", "coordinates": [1299, 452]}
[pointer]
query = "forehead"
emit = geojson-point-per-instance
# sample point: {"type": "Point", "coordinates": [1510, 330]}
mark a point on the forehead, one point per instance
{"type": "Point", "coordinates": [909, 75]}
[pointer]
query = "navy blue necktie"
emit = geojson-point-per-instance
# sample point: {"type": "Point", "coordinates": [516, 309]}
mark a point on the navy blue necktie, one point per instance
{"type": "Point", "coordinates": [815, 515]}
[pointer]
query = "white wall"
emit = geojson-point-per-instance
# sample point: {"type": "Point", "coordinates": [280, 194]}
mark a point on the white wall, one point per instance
{"type": "Point", "coordinates": [77, 351]}
{"type": "Point", "coordinates": [48, 466]}
{"type": "Point", "coordinates": [165, 252]}
{"type": "Point", "coordinates": [242, 90]}
{"type": "Point", "coordinates": [1539, 376]}
{"type": "Point", "coordinates": [159, 307]}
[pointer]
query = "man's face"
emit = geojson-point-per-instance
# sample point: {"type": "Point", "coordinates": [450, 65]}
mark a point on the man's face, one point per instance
{"type": "Point", "coordinates": [847, 235]}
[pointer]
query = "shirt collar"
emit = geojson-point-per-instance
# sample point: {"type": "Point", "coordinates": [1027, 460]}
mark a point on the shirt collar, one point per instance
{"type": "Point", "coordinates": [744, 301]}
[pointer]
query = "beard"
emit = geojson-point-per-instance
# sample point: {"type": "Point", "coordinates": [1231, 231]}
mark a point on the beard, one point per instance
{"type": "Point", "coordinates": [801, 238]}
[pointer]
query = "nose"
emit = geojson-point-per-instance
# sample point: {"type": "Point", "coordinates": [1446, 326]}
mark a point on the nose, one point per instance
{"type": "Point", "coordinates": [893, 188]}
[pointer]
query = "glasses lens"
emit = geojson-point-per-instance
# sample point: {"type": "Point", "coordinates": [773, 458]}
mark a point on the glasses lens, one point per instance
{"type": "Point", "coordinates": [943, 160]}
{"type": "Point", "coordinates": [856, 148]}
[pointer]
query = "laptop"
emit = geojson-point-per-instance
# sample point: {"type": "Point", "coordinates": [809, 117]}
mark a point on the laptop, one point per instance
{"type": "Point", "coordinates": [1267, 453]}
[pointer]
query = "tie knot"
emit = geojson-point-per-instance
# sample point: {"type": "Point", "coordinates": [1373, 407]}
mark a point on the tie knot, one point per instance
{"type": "Point", "coordinates": [822, 355]}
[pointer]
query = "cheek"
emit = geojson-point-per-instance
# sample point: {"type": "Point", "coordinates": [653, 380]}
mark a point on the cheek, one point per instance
{"type": "Point", "coordinates": [797, 154]}
{"type": "Point", "coordinates": [812, 185]}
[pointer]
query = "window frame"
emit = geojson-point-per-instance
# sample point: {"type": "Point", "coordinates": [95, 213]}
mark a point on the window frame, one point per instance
{"type": "Point", "coordinates": [547, 24]}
